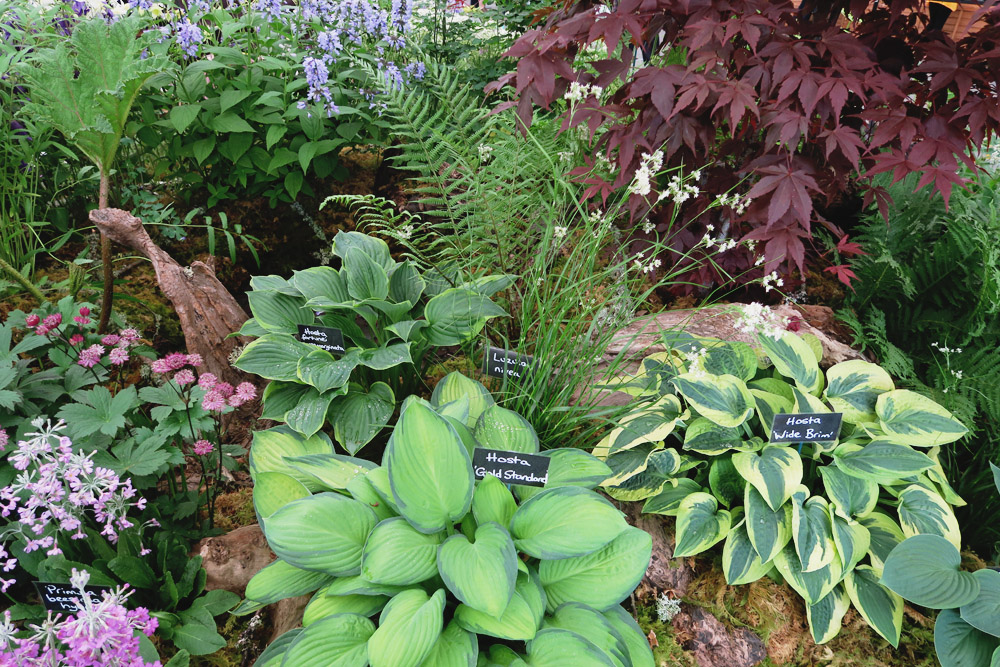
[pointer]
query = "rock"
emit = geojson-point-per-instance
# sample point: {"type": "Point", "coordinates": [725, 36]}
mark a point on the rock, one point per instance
{"type": "Point", "coordinates": [230, 560]}
{"type": "Point", "coordinates": [286, 614]}
{"type": "Point", "coordinates": [664, 574]}
{"type": "Point", "coordinates": [712, 644]}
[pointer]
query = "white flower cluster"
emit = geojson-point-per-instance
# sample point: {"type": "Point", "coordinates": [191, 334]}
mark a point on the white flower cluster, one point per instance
{"type": "Point", "coordinates": [646, 267]}
{"type": "Point", "coordinates": [723, 243]}
{"type": "Point", "coordinates": [944, 349]}
{"type": "Point", "coordinates": [734, 201]}
{"type": "Point", "coordinates": [651, 164]}
{"type": "Point", "coordinates": [757, 319]}
{"type": "Point", "coordinates": [565, 156]}
{"type": "Point", "coordinates": [648, 227]}
{"type": "Point", "coordinates": [558, 233]}
{"type": "Point", "coordinates": [405, 232]}
{"type": "Point", "coordinates": [680, 191]}
{"type": "Point", "coordinates": [771, 281]}
{"type": "Point", "coordinates": [692, 358]}
{"type": "Point", "coordinates": [485, 152]}
{"type": "Point", "coordinates": [580, 91]}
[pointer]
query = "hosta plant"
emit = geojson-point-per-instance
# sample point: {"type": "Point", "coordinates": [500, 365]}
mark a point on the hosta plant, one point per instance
{"type": "Point", "coordinates": [924, 569]}
{"type": "Point", "coordinates": [822, 515]}
{"type": "Point", "coordinates": [391, 317]}
{"type": "Point", "coordinates": [415, 562]}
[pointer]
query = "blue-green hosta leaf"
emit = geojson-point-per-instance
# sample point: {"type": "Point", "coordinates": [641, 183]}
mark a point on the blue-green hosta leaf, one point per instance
{"type": "Point", "coordinates": [274, 357]}
{"type": "Point", "coordinates": [700, 524]}
{"type": "Point", "coordinates": [519, 621]}
{"type": "Point", "coordinates": [272, 655]}
{"type": "Point", "coordinates": [879, 606]}
{"type": "Point", "coordinates": [561, 648]}
{"type": "Point", "coordinates": [333, 471]}
{"type": "Point", "coordinates": [885, 535]}
{"type": "Point", "coordinates": [826, 615]}
{"type": "Point", "coordinates": [565, 521]}
{"type": "Point", "coordinates": [481, 573]}
{"type": "Point", "coordinates": [270, 447]}
{"type": "Point", "coordinates": [385, 357]}
{"type": "Point", "coordinates": [396, 554]}
{"type": "Point", "coordinates": [323, 371]}
{"type": "Point", "coordinates": [454, 386]}
{"type": "Point", "coordinates": [457, 314]}
{"type": "Point", "coordinates": [922, 511]}
{"type": "Point", "coordinates": [274, 490]}
{"type": "Point", "coordinates": [362, 490]}
{"type": "Point", "coordinates": [406, 283]}
{"type": "Point", "coordinates": [309, 414]}
{"type": "Point", "coordinates": [769, 530]}
{"type": "Point", "coordinates": [500, 428]}
{"type": "Point", "coordinates": [775, 472]}
{"type": "Point", "coordinates": [854, 386]}
{"type": "Point", "coordinates": [812, 586]}
{"type": "Point", "coordinates": [727, 484]}
{"type": "Point", "coordinates": [852, 496]}
{"type": "Point", "coordinates": [408, 629]}
{"type": "Point", "coordinates": [740, 561]}
{"type": "Point", "coordinates": [493, 501]}
{"type": "Point", "coordinates": [958, 644]}
{"type": "Point", "coordinates": [429, 470]}
{"type": "Point", "coordinates": [915, 420]}
{"type": "Point", "coordinates": [925, 569]}
{"type": "Point", "coordinates": [639, 651]}
{"type": "Point", "coordinates": [279, 397]}
{"type": "Point", "coordinates": [569, 466]}
{"type": "Point", "coordinates": [983, 613]}
{"type": "Point", "coordinates": [851, 538]}
{"type": "Point", "coordinates": [454, 648]}
{"type": "Point", "coordinates": [278, 581]}
{"type": "Point", "coordinates": [325, 532]}
{"type": "Point", "coordinates": [372, 246]}
{"type": "Point", "coordinates": [668, 500]}
{"type": "Point", "coordinates": [812, 531]}
{"type": "Point", "coordinates": [651, 423]}
{"type": "Point", "coordinates": [322, 605]}
{"type": "Point", "coordinates": [321, 282]}
{"type": "Point", "coordinates": [724, 399]}
{"type": "Point", "coordinates": [279, 313]}
{"type": "Point", "coordinates": [590, 623]}
{"type": "Point", "coordinates": [366, 278]}
{"type": "Point", "coordinates": [793, 358]}
{"type": "Point", "coordinates": [706, 437]}
{"type": "Point", "coordinates": [601, 579]}
{"type": "Point", "coordinates": [881, 461]}
{"type": "Point", "coordinates": [340, 640]}
{"type": "Point", "coordinates": [361, 414]}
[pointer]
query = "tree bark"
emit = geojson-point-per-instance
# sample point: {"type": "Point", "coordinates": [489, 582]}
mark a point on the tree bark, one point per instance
{"type": "Point", "coordinates": [107, 295]}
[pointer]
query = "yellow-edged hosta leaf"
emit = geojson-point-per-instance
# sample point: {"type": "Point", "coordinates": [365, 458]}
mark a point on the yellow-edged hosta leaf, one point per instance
{"type": "Point", "coordinates": [825, 616]}
{"type": "Point", "coordinates": [700, 524]}
{"type": "Point", "coordinates": [740, 561]}
{"type": "Point", "coordinates": [775, 472]}
{"type": "Point", "coordinates": [853, 496]}
{"type": "Point", "coordinates": [651, 423]}
{"type": "Point", "coordinates": [812, 586]}
{"type": "Point", "coordinates": [793, 358]}
{"type": "Point", "coordinates": [769, 530]}
{"type": "Point", "coordinates": [881, 461]}
{"type": "Point", "coordinates": [724, 399]}
{"type": "Point", "coordinates": [880, 607]}
{"type": "Point", "coordinates": [885, 534]}
{"type": "Point", "coordinates": [915, 420]}
{"type": "Point", "coordinates": [812, 531]}
{"type": "Point", "coordinates": [924, 512]}
{"type": "Point", "coordinates": [854, 386]}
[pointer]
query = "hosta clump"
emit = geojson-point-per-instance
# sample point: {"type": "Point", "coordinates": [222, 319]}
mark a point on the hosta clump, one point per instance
{"type": "Point", "coordinates": [414, 562]}
{"type": "Point", "coordinates": [390, 315]}
{"type": "Point", "coordinates": [822, 515]}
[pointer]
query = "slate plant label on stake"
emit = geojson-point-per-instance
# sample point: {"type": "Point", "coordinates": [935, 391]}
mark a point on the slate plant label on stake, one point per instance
{"type": "Point", "coordinates": [499, 363]}
{"type": "Point", "coordinates": [328, 338]}
{"type": "Point", "coordinates": [511, 467]}
{"type": "Point", "coordinates": [806, 427]}
{"type": "Point", "coordinates": [62, 598]}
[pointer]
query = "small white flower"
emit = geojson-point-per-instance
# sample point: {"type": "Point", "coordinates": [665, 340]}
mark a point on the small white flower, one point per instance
{"type": "Point", "coordinates": [648, 228]}
{"type": "Point", "coordinates": [558, 233]}
{"type": "Point", "coordinates": [485, 152]}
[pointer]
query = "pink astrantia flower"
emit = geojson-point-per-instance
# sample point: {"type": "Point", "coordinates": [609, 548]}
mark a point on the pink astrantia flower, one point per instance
{"type": "Point", "coordinates": [111, 339]}
{"type": "Point", "coordinates": [118, 356]}
{"type": "Point", "coordinates": [224, 388]}
{"type": "Point", "coordinates": [82, 318]}
{"type": "Point", "coordinates": [84, 311]}
{"type": "Point", "coordinates": [53, 320]}
{"type": "Point", "coordinates": [184, 376]}
{"type": "Point", "coordinates": [246, 391]}
{"type": "Point", "coordinates": [75, 340]}
{"type": "Point", "coordinates": [32, 320]}
{"type": "Point", "coordinates": [213, 401]}
{"type": "Point", "coordinates": [91, 356]}
{"type": "Point", "coordinates": [203, 447]}
{"type": "Point", "coordinates": [160, 366]}
{"type": "Point", "coordinates": [129, 335]}
{"type": "Point", "coordinates": [176, 360]}
{"type": "Point", "coordinates": [207, 380]}
{"type": "Point", "coordinates": [4, 439]}
{"type": "Point", "coordinates": [194, 360]}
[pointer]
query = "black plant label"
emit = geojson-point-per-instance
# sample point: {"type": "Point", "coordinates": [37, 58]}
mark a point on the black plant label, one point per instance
{"type": "Point", "coordinates": [63, 597]}
{"type": "Point", "coordinates": [806, 427]}
{"type": "Point", "coordinates": [510, 467]}
{"type": "Point", "coordinates": [328, 338]}
{"type": "Point", "coordinates": [499, 363]}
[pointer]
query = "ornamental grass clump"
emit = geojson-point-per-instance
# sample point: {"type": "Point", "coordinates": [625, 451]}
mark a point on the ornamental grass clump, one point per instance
{"type": "Point", "coordinates": [456, 570]}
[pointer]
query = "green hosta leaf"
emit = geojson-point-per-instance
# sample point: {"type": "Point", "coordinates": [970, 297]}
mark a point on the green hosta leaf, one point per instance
{"type": "Point", "coordinates": [826, 615]}
{"type": "Point", "coordinates": [429, 470]}
{"type": "Point", "coordinates": [358, 586]}
{"type": "Point", "coordinates": [279, 313]}
{"type": "Point", "coordinates": [361, 414]}
{"type": "Point", "coordinates": [854, 386]}
{"type": "Point", "coordinates": [340, 640]}
{"type": "Point", "coordinates": [321, 282]}
{"type": "Point", "coordinates": [379, 480]}
{"type": "Point", "coordinates": [668, 500]}
{"type": "Point", "coordinates": [793, 359]}
{"type": "Point", "coordinates": [769, 530]}
{"type": "Point", "coordinates": [409, 628]}
{"type": "Point", "coordinates": [726, 482]}
{"type": "Point", "coordinates": [880, 607]}
{"type": "Point", "coordinates": [325, 532]}
{"type": "Point", "coordinates": [958, 644]}
{"type": "Point", "coordinates": [500, 428]}
{"type": "Point", "coordinates": [309, 415]}
{"type": "Point", "coordinates": [851, 538]}
{"type": "Point", "coordinates": [272, 655]}
{"type": "Point", "coordinates": [270, 447]}
{"type": "Point", "coordinates": [881, 461]}
{"type": "Point", "coordinates": [274, 357]}
{"type": "Point", "coordinates": [493, 501]}
{"type": "Point", "coordinates": [457, 314]}
{"type": "Point", "coordinates": [916, 420]}
{"type": "Point", "coordinates": [274, 490]}
{"type": "Point", "coordinates": [924, 569]}
{"type": "Point", "coordinates": [812, 531]}
{"type": "Point", "coordinates": [852, 496]}
{"type": "Point", "coordinates": [565, 521]}
{"type": "Point", "coordinates": [812, 586]}
{"type": "Point", "coordinates": [590, 623]}
{"type": "Point", "coordinates": [384, 358]}
{"type": "Point", "coordinates": [601, 579]}
{"type": "Point", "coordinates": [278, 581]}
{"type": "Point", "coordinates": [322, 605]}
{"type": "Point", "coordinates": [775, 472]}
{"type": "Point", "coordinates": [482, 573]}
{"type": "Point", "coordinates": [740, 561]}
{"type": "Point", "coordinates": [405, 283]}
{"type": "Point", "coordinates": [995, 662]}
{"type": "Point", "coordinates": [700, 524]}
{"type": "Point", "coordinates": [280, 397]}
{"type": "Point", "coordinates": [374, 247]}
{"type": "Point", "coordinates": [983, 613]}
{"type": "Point", "coordinates": [323, 371]}
{"type": "Point", "coordinates": [366, 278]}
{"type": "Point", "coordinates": [362, 490]}
{"type": "Point", "coordinates": [562, 648]}
{"type": "Point", "coordinates": [724, 399]}
{"type": "Point", "coordinates": [454, 648]}
{"type": "Point", "coordinates": [569, 467]}
{"type": "Point", "coordinates": [922, 511]}
{"type": "Point", "coordinates": [706, 437]}
{"type": "Point", "coordinates": [519, 620]}
{"type": "Point", "coordinates": [454, 386]}
{"type": "Point", "coordinates": [333, 471]}
{"type": "Point", "coordinates": [639, 652]}
{"type": "Point", "coordinates": [396, 554]}
{"type": "Point", "coordinates": [885, 535]}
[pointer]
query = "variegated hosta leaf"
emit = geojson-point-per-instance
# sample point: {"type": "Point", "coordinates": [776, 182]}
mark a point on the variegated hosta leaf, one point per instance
{"type": "Point", "coordinates": [852, 496]}
{"type": "Point", "coordinates": [851, 538]}
{"type": "Point", "coordinates": [812, 531]}
{"type": "Point", "coordinates": [700, 524]}
{"type": "Point", "coordinates": [653, 378]}
{"type": "Point", "coordinates": [492, 501]}
{"type": "Point", "coordinates": [728, 358]}
{"type": "Point", "coordinates": [740, 561]}
{"type": "Point", "coordinates": [519, 621]}
{"type": "Point", "coordinates": [812, 586]}
{"type": "Point", "coordinates": [659, 467]}
{"type": "Point", "coordinates": [775, 472]}
{"type": "Point", "coordinates": [706, 437]}
{"type": "Point", "coordinates": [880, 607]}
{"type": "Point", "coordinates": [885, 534]}
{"type": "Point", "coordinates": [561, 648]}
{"type": "Point", "coordinates": [925, 569]}
{"type": "Point", "coordinates": [454, 648]}
{"type": "Point", "coordinates": [826, 615]}
{"type": "Point", "coordinates": [793, 358]}
{"type": "Point", "coordinates": [936, 475]}
{"type": "Point", "coordinates": [650, 424]}
{"type": "Point", "coordinates": [854, 386]}
{"type": "Point", "coordinates": [768, 405]}
{"type": "Point", "coordinates": [916, 420]}
{"type": "Point", "coordinates": [881, 461]}
{"type": "Point", "coordinates": [726, 482]}
{"type": "Point", "coordinates": [454, 386]}
{"type": "Point", "coordinates": [335, 641]}
{"type": "Point", "coordinates": [322, 605]}
{"type": "Point", "coordinates": [774, 386]}
{"type": "Point", "coordinates": [922, 511]}
{"type": "Point", "coordinates": [481, 573]}
{"type": "Point", "coordinates": [724, 399]}
{"type": "Point", "coordinates": [270, 447]}
{"type": "Point", "coordinates": [668, 500]}
{"type": "Point", "coordinates": [629, 463]}
{"type": "Point", "coordinates": [769, 530]}
{"type": "Point", "coordinates": [639, 651]}
{"type": "Point", "coordinates": [806, 403]}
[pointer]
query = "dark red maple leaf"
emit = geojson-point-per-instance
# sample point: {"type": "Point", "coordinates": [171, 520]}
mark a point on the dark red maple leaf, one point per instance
{"type": "Point", "coordinates": [843, 273]}
{"type": "Point", "coordinates": [844, 247]}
